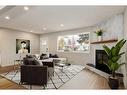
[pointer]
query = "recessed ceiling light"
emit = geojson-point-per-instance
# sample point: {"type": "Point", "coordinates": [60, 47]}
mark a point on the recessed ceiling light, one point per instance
{"type": "Point", "coordinates": [7, 17]}
{"type": "Point", "coordinates": [61, 25]}
{"type": "Point", "coordinates": [44, 28]}
{"type": "Point", "coordinates": [26, 8]}
{"type": "Point", "coordinates": [31, 30]}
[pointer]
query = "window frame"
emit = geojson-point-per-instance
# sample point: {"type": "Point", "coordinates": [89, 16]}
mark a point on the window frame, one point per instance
{"type": "Point", "coordinates": [73, 50]}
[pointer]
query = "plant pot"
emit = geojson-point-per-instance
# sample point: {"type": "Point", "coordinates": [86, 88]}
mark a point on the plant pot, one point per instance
{"type": "Point", "coordinates": [113, 83]}
{"type": "Point", "coordinates": [99, 38]}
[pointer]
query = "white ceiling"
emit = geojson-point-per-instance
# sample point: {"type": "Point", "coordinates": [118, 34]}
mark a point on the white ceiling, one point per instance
{"type": "Point", "coordinates": [50, 17]}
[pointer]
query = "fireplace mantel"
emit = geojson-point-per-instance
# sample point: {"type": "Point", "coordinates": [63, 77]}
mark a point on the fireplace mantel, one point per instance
{"type": "Point", "coordinates": [105, 41]}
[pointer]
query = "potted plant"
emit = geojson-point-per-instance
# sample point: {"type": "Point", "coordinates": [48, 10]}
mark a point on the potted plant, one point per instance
{"type": "Point", "coordinates": [114, 55]}
{"type": "Point", "coordinates": [99, 33]}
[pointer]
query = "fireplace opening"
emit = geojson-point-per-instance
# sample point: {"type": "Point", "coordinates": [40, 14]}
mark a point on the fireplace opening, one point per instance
{"type": "Point", "coordinates": [100, 57]}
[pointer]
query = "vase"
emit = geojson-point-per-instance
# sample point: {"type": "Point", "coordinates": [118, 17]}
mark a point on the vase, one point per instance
{"type": "Point", "coordinates": [99, 38]}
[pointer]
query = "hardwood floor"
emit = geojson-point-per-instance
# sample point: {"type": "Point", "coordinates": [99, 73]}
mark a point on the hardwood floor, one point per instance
{"type": "Point", "coordinates": [86, 79]}
{"type": "Point", "coordinates": [8, 84]}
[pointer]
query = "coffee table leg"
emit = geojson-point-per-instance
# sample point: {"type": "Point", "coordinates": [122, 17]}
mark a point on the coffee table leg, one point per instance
{"type": "Point", "coordinates": [62, 69]}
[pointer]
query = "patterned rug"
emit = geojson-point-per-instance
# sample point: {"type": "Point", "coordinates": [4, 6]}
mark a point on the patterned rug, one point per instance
{"type": "Point", "coordinates": [60, 77]}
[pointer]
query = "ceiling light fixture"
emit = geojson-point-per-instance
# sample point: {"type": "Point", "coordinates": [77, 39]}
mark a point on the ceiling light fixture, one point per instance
{"type": "Point", "coordinates": [31, 30]}
{"type": "Point", "coordinates": [44, 28]}
{"type": "Point", "coordinates": [26, 8]}
{"type": "Point", "coordinates": [7, 17]}
{"type": "Point", "coordinates": [61, 25]}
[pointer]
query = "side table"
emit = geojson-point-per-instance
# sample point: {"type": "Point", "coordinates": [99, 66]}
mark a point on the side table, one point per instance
{"type": "Point", "coordinates": [17, 63]}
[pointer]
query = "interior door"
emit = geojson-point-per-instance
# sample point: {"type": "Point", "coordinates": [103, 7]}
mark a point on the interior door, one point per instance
{"type": "Point", "coordinates": [43, 45]}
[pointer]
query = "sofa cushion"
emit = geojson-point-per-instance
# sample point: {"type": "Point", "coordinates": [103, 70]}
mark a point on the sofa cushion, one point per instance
{"type": "Point", "coordinates": [39, 62]}
{"type": "Point", "coordinates": [53, 56]}
{"type": "Point", "coordinates": [29, 56]}
{"type": "Point", "coordinates": [37, 56]}
{"type": "Point", "coordinates": [25, 61]}
{"type": "Point", "coordinates": [43, 56]}
{"type": "Point", "coordinates": [30, 61]}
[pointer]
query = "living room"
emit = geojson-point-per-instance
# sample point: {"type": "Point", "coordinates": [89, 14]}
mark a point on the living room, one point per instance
{"type": "Point", "coordinates": [46, 29]}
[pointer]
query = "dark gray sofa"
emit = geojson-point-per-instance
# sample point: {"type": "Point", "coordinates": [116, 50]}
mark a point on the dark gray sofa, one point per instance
{"type": "Point", "coordinates": [34, 74]}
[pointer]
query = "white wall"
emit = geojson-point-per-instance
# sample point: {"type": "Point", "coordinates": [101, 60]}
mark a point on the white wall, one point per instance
{"type": "Point", "coordinates": [76, 58]}
{"type": "Point", "coordinates": [125, 36]}
{"type": "Point", "coordinates": [113, 28]}
{"type": "Point", "coordinates": [8, 44]}
{"type": "Point", "coordinates": [0, 58]}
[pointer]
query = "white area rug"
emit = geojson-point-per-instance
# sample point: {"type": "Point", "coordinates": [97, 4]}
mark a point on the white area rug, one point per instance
{"type": "Point", "coordinates": [60, 77]}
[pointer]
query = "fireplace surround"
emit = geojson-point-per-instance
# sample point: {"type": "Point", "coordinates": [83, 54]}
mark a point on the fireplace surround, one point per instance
{"type": "Point", "coordinates": [100, 57]}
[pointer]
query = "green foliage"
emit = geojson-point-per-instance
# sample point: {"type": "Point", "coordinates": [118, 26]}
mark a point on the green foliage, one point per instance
{"type": "Point", "coordinates": [99, 32]}
{"type": "Point", "coordinates": [114, 55]}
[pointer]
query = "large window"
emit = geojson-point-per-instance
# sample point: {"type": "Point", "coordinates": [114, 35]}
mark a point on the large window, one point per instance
{"type": "Point", "coordinates": [74, 43]}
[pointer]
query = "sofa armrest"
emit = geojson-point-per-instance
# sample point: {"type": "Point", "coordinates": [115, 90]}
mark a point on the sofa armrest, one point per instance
{"type": "Point", "coordinates": [49, 64]}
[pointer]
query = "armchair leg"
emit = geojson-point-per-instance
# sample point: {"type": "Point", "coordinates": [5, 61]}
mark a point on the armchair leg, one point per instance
{"type": "Point", "coordinates": [30, 87]}
{"type": "Point", "coordinates": [53, 72]}
{"type": "Point", "coordinates": [45, 86]}
{"type": "Point", "coordinates": [20, 82]}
